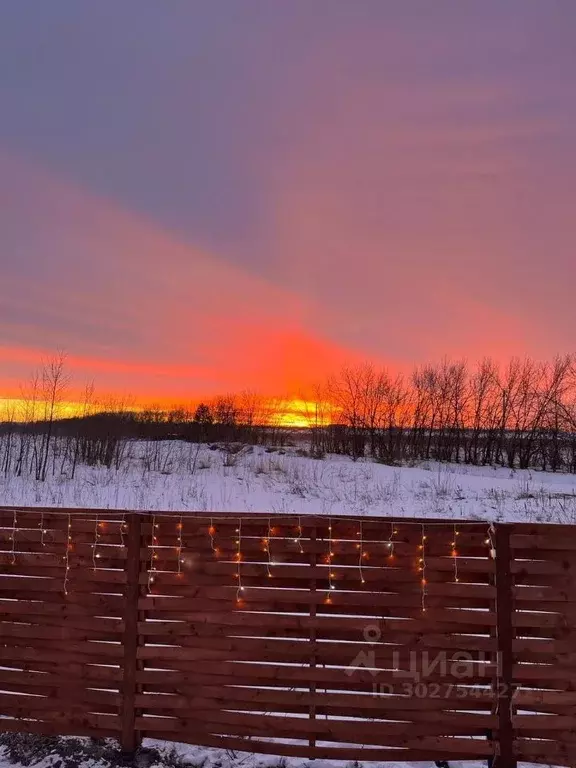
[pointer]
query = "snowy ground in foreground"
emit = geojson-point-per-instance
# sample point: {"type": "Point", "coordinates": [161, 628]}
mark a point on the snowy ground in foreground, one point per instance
{"type": "Point", "coordinates": [198, 478]}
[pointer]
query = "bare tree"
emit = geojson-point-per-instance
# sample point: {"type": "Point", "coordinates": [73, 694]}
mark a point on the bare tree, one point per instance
{"type": "Point", "coordinates": [54, 381]}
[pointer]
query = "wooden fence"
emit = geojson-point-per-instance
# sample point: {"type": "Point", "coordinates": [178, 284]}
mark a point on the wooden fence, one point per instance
{"type": "Point", "coordinates": [344, 638]}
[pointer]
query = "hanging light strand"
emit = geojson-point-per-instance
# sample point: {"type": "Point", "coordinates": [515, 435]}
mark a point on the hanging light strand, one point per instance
{"type": "Point", "coordinates": [390, 542]}
{"type": "Point", "coordinates": [123, 529]}
{"type": "Point", "coordinates": [179, 527]}
{"type": "Point", "coordinates": [490, 540]}
{"type": "Point", "coordinates": [67, 555]}
{"type": "Point", "coordinates": [361, 553]}
{"type": "Point", "coordinates": [95, 544]}
{"type": "Point", "coordinates": [455, 553]}
{"type": "Point", "coordinates": [298, 539]}
{"type": "Point", "coordinates": [240, 587]}
{"type": "Point", "coordinates": [43, 530]}
{"type": "Point", "coordinates": [153, 554]}
{"type": "Point", "coordinates": [267, 546]}
{"type": "Point", "coordinates": [330, 557]}
{"type": "Point", "coordinates": [423, 581]}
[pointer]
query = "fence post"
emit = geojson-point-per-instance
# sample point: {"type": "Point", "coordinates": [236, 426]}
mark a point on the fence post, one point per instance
{"type": "Point", "coordinates": [505, 658]}
{"type": "Point", "coordinates": [313, 560]}
{"type": "Point", "coordinates": [129, 741]}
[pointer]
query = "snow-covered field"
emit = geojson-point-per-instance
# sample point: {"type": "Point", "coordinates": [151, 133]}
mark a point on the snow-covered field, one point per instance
{"type": "Point", "coordinates": [180, 476]}
{"type": "Point", "coordinates": [192, 477]}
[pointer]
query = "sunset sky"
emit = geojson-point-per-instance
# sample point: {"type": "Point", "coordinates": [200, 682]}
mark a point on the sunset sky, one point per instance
{"type": "Point", "coordinates": [211, 195]}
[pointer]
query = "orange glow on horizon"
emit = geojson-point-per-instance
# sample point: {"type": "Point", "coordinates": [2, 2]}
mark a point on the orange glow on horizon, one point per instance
{"type": "Point", "coordinates": [290, 413]}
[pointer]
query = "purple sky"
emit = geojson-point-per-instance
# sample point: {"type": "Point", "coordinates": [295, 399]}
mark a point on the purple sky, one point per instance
{"type": "Point", "coordinates": [197, 196]}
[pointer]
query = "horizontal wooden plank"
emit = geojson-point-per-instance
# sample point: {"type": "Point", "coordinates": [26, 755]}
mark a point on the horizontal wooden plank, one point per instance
{"type": "Point", "coordinates": [114, 627]}
{"type": "Point", "coordinates": [525, 698]}
{"type": "Point", "coordinates": [539, 619]}
{"type": "Point", "coordinates": [414, 648]}
{"type": "Point", "coordinates": [60, 695]}
{"type": "Point", "coordinates": [345, 552]}
{"type": "Point", "coordinates": [543, 594]}
{"type": "Point", "coordinates": [88, 653]}
{"type": "Point", "coordinates": [76, 669]}
{"type": "Point", "coordinates": [410, 634]}
{"type": "Point", "coordinates": [72, 728]}
{"type": "Point", "coordinates": [64, 680]}
{"type": "Point", "coordinates": [382, 732]}
{"type": "Point", "coordinates": [230, 672]}
{"type": "Point", "coordinates": [56, 539]}
{"type": "Point", "coordinates": [326, 606]}
{"type": "Point", "coordinates": [413, 708]}
{"type": "Point", "coordinates": [547, 751]}
{"type": "Point", "coordinates": [558, 677]}
{"type": "Point", "coordinates": [304, 750]}
{"type": "Point", "coordinates": [64, 606]}
{"type": "Point", "coordinates": [542, 649]}
{"type": "Point", "coordinates": [401, 697]}
{"type": "Point", "coordinates": [338, 731]}
{"type": "Point", "coordinates": [431, 619]}
{"type": "Point", "coordinates": [40, 584]}
{"type": "Point", "coordinates": [287, 526]}
{"type": "Point", "coordinates": [62, 634]}
{"type": "Point", "coordinates": [543, 724]}
{"type": "Point", "coordinates": [254, 553]}
{"type": "Point", "coordinates": [342, 654]}
{"type": "Point", "coordinates": [394, 583]}
{"type": "Point", "coordinates": [41, 708]}
{"type": "Point", "coordinates": [387, 593]}
{"type": "Point", "coordinates": [54, 566]}
{"type": "Point", "coordinates": [108, 603]}
{"type": "Point", "coordinates": [111, 553]}
{"type": "Point", "coordinates": [438, 693]}
{"type": "Point", "coordinates": [50, 518]}
{"type": "Point", "coordinates": [561, 540]}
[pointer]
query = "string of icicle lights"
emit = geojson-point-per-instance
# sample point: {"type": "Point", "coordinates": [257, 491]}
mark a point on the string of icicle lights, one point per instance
{"type": "Point", "coordinates": [294, 532]}
{"type": "Point", "coordinates": [390, 542]}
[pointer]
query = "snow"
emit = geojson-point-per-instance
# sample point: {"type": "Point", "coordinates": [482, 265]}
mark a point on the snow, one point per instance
{"type": "Point", "coordinates": [255, 480]}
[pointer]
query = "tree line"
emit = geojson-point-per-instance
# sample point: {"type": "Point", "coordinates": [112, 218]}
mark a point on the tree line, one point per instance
{"type": "Point", "coordinates": [518, 415]}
